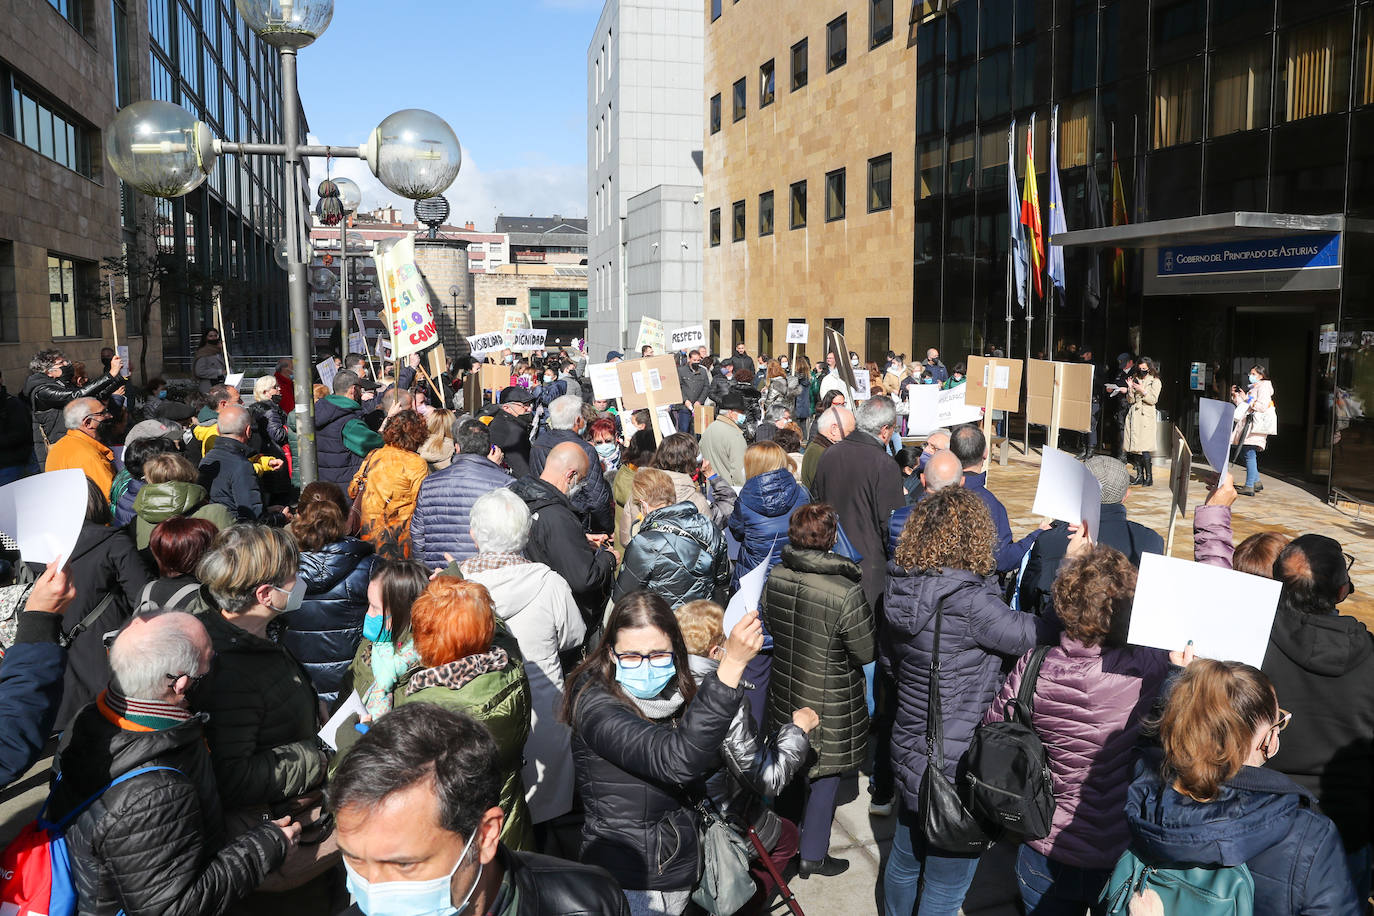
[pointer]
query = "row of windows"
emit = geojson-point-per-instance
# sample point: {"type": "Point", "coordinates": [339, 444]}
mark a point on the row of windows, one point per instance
{"type": "Point", "coordinates": [836, 56]}
{"type": "Point", "coordinates": [42, 126]}
{"type": "Point", "coordinates": [879, 199]}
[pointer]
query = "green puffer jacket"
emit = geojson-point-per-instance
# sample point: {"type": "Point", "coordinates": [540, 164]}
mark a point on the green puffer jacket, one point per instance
{"type": "Point", "coordinates": [822, 628]}
{"type": "Point", "coordinates": [264, 718]}
{"type": "Point", "coordinates": [158, 502]}
{"type": "Point", "coordinates": [493, 689]}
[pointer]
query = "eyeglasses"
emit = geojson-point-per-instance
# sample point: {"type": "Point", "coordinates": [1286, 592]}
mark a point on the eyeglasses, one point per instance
{"type": "Point", "coordinates": [1349, 563]}
{"type": "Point", "coordinates": [1285, 717]}
{"type": "Point", "coordinates": [632, 660]}
{"type": "Point", "coordinates": [194, 678]}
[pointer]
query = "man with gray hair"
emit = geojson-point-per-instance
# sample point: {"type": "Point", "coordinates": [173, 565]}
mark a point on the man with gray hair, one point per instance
{"type": "Point", "coordinates": [226, 471]}
{"type": "Point", "coordinates": [342, 438]}
{"type": "Point", "coordinates": [538, 607]}
{"type": "Point", "coordinates": [832, 425]}
{"type": "Point", "coordinates": [79, 448]}
{"type": "Point", "coordinates": [155, 842]}
{"type": "Point", "coordinates": [566, 423]}
{"type": "Point", "coordinates": [936, 440]}
{"type": "Point", "coordinates": [439, 529]}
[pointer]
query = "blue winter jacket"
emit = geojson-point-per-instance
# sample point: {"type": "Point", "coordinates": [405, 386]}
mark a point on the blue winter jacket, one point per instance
{"type": "Point", "coordinates": [324, 632]}
{"type": "Point", "coordinates": [1260, 818]}
{"type": "Point", "coordinates": [761, 517]}
{"type": "Point", "coordinates": [443, 509]}
{"type": "Point", "coordinates": [1008, 552]}
{"type": "Point", "coordinates": [30, 692]}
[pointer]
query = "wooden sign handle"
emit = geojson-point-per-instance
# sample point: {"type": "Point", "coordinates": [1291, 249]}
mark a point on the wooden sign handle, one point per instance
{"type": "Point", "coordinates": [987, 415]}
{"type": "Point", "coordinates": [1056, 406]}
{"type": "Point", "coordinates": [653, 406]}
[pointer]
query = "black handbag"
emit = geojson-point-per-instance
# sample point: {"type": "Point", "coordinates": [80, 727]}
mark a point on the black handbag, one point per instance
{"type": "Point", "coordinates": [945, 820]}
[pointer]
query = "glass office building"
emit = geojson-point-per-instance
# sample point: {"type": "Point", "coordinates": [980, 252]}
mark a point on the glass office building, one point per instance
{"type": "Point", "coordinates": [1242, 132]}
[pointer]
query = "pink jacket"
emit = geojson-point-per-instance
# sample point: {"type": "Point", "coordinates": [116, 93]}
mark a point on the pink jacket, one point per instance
{"type": "Point", "coordinates": [1089, 703]}
{"type": "Point", "coordinates": [1212, 543]}
{"type": "Point", "coordinates": [1259, 399]}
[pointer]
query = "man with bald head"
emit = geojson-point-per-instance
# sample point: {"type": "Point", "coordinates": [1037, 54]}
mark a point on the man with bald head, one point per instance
{"type": "Point", "coordinates": [558, 538]}
{"type": "Point", "coordinates": [226, 471]}
{"type": "Point", "coordinates": [79, 448]}
{"type": "Point", "coordinates": [832, 425]}
{"type": "Point", "coordinates": [942, 470]}
{"type": "Point", "coordinates": [141, 731]}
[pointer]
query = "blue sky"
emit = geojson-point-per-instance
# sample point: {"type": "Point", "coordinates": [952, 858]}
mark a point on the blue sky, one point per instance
{"type": "Point", "coordinates": [508, 75]}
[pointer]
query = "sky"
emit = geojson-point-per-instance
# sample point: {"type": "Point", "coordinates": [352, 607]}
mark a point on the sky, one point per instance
{"type": "Point", "coordinates": [509, 76]}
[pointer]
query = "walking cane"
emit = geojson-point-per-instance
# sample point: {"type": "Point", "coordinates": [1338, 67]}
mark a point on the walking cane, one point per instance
{"type": "Point", "coordinates": [1240, 440]}
{"type": "Point", "coordinates": [788, 897]}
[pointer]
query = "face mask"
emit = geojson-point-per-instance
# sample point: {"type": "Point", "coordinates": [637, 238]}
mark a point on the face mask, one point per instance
{"type": "Point", "coordinates": [854, 363]}
{"type": "Point", "coordinates": [68, 372]}
{"type": "Point", "coordinates": [607, 451]}
{"type": "Point", "coordinates": [373, 627]}
{"type": "Point", "coordinates": [162, 395]}
{"type": "Point", "coordinates": [294, 598]}
{"type": "Point", "coordinates": [1254, 379]}
{"type": "Point", "coordinates": [276, 399]}
{"type": "Point", "coordinates": [783, 364]}
{"type": "Point", "coordinates": [739, 418]}
{"type": "Point", "coordinates": [576, 488]}
{"type": "Point", "coordinates": [508, 360]}
{"type": "Point", "coordinates": [412, 898]}
{"type": "Point", "coordinates": [548, 379]}
{"type": "Point", "coordinates": [644, 682]}
{"type": "Point", "coordinates": [927, 381]}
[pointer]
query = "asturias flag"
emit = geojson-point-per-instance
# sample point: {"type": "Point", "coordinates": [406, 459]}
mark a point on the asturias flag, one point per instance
{"type": "Point", "coordinates": [1017, 250]}
{"type": "Point", "coordinates": [1057, 223]}
{"type": "Point", "coordinates": [1030, 214]}
{"type": "Point", "coordinates": [1119, 218]}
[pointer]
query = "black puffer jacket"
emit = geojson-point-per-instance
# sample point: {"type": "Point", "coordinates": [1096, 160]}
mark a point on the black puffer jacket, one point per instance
{"type": "Point", "coordinates": [103, 561]}
{"type": "Point", "coordinates": [822, 628]}
{"type": "Point", "coordinates": [16, 431]}
{"type": "Point", "coordinates": [594, 501]}
{"type": "Point", "coordinates": [632, 774]}
{"type": "Point", "coordinates": [511, 435]}
{"type": "Point", "coordinates": [678, 554]}
{"type": "Point", "coordinates": [47, 396]}
{"type": "Point", "coordinates": [558, 540]}
{"type": "Point", "coordinates": [154, 843]}
{"type": "Point", "coordinates": [324, 632]}
{"type": "Point", "coordinates": [264, 718]}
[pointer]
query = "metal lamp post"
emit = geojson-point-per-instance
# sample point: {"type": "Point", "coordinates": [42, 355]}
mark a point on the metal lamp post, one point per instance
{"type": "Point", "coordinates": [163, 151]}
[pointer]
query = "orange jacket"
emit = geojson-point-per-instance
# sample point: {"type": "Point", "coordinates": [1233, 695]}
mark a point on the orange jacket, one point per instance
{"type": "Point", "coordinates": [393, 477]}
{"type": "Point", "coordinates": [80, 451]}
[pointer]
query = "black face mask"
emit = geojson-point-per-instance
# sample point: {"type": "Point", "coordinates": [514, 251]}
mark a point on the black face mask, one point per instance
{"type": "Point", "coordinates": [68, 372]}
{"type": "Point", "coordinates": [108, 431]}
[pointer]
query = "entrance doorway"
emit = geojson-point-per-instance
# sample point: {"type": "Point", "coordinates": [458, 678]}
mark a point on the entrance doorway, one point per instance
{"type": "Point", "coordinates": [1283, 340]}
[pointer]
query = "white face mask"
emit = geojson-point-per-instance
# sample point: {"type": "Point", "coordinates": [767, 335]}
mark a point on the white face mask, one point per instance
{"type": "Point", "coordinates": [854, 362]}
{"type": "Point", "coordinates": [294, 597]}
{"type": "Point", "coordinates": [412, 898]}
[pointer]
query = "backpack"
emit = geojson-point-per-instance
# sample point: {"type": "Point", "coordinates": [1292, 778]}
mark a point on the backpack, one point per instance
{"type": "Point", "coordinates": [36, 870]}
{"type": "Point", "coordinates": [1006, 769]}
{"type": "Point", "coordinates": [1225, 891]}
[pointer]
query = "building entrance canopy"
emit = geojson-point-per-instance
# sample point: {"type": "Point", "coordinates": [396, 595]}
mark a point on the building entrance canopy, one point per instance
{"type": "Point", "coordinates": [1228, 252]}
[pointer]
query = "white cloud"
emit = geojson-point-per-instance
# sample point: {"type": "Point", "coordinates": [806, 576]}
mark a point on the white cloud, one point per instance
{"type": "Point", "coordinates": [535, 186]}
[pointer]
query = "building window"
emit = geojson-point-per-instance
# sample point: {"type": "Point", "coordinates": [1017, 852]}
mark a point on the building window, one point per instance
{"type": "Point", "coordinates": [715, 113]}
{"type": "Point", "coordinates": [876, 331]}
{"type": "Point", "coordinates": [715, 228]}
{"type": "Point", "coordinates": [834, 195]}
{"type": "Point", "coordinates": [713, 337]}
{"type": "Point", "coordinates": [737, 221]}
{"type": "Point", "coordinates": [505, 302]}
{"type": "Point", "coordinates": [766, 213]}
{"type": "Point", "coordinates": [766, 85]}
{"type": "Point", "coordinates": [70, 10]}
{"type": "Point", "coordinates": [879, 22]}
{"type": "Point", "coordinates": [799, 65]}
{"type": "Point", "coordinates": [880, 183]}
{"type": "Point", "coordinates": [740, 102]}
{"type": "Point", "coordinates": [42, 127]}
{"type": "Point", "coordinates": [715, 10]}
{"type": "Point", "coordinates": [1177, 104]}
{"type": "Point", "coordinates": [1316, 67]}
{"type": "Point", "coordinates": [1240, 89]}
{"type": "Point", "coordinates": [68, 296]}
{"type": "Point", "coordinates": [736, 333]}
{"type": "Point", "coordinates": [122, 61]}
{"type": "Point", "coordinates": [798, 199]}
{"type": "Point", "coordinates": [836, 43]}
{"type": "Point", "coordinates": [9, 294]}
{"type": "Point", "coordinates": [765, 336]}
{"type": "Point", "coordinates": [930, 163]}
{"type": "Point", "coordinates": [558, 304]}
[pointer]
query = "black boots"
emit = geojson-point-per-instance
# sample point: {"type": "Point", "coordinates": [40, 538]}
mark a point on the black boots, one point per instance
{"type": "Point", "coordinates": [1145, 471]}
{"type": "Point", "coordinates": [828, 867]}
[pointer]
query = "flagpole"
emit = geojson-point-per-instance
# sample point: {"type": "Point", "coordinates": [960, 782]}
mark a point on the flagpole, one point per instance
{"type": "Point", "coordinates": [1049, 281]}
{"type": "Point", "coordinates": [1030, 285]}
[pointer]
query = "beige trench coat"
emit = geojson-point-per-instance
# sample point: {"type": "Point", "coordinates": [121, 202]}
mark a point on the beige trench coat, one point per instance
{"type": "Point", "coordinates": [1141, 433]}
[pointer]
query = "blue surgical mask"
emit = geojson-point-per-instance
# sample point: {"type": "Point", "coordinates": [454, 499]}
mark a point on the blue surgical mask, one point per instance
{"type": "Point", "coordinates": [646, 681]}
{"type": "Point", "coordinates": [373, 628]}
{"type": "Point", "coordinates": [412, 898]}
{"type": "Point", "coordinates": [1254, 379]}
{"type": "Point", "coordinates": [607, 450]}
{"type": "Point", "coordinates": [162, 394]}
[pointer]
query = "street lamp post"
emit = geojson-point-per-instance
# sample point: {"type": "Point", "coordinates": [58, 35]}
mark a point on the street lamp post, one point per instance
{"type": "Point", "coordinates": [163, 151]}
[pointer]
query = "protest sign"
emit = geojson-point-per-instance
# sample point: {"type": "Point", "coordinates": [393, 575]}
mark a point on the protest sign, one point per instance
{"type": "Point", "coordinates": [1215, 421]}
{"type": "Point", "coordinates": [512, 321]}
{"type": "Point", "coordinates": [688, 338]}
{"type": "Point", "coordinates": [357, 342]}
{"type": "Point", "coordinates": [383, 348]}
{"type": "Point", "coordinates": [327, 371]}
{"type": "Point", "coordinates": [527, 340]}
{"type": "Point", "coordinates": [1059, 395]}
{"type": "Point", "coordinates": [233, 379]}
{"type": "Point", "coordinates": [44, 514]}
{"type": "Point", "coordinates": [861, 385]}
{"type": "Point", "coordinates": [648, 383]}
{"type": "Point", "coordinates": [358, 319]}
{"type": "Point", "coordinates": [835, 343]}
{"type": "Point", "coordinates": [123, 352]}
{"type": "Point", "coordinates": [352, 707]}
{"type": "Point", "coordinates": [407, 298]}
{"type": "Point", "coordinates": [994, 382]}
{"type": "Point", "coordinates": [749, 595]}
{"type": "Point", "coordinates": [495, 377]}
{"type": "Point", "coordinates": [486, 343]}
{"type": "Point", "coordinates": [797, 333]}
{"type": "Point", "coordinates": [650, 334]}
{"type": "Point", "coordinates": [605, 381]}
{"type": "Point", "coordinates": [1226, 614]}
{"type": "Point", "coordinates": [930, 408]}
{"type": "Point", "coordinates": [1180, 469]}
{"type": "Point", "coordinates": [1067, 491]}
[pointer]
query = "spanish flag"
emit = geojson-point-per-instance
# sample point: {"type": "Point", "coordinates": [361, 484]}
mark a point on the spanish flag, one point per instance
{"type": "Point", "coordinates": [1030, 214]}
{"type": "Point", "coordinates": [1119, 218]}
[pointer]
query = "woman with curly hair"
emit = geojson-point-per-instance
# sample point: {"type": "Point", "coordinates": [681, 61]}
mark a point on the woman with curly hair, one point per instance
{"type": "Point", "coordinates": [943, 566]}
{"type": "Point", "coordinates": [1092, 692]}
{"type": "Point", "coordinates": [389, 480]}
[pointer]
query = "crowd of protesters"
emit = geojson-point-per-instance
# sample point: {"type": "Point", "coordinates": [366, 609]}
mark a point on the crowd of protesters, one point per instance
{"type": "Point", "coordinates": [514, 620]}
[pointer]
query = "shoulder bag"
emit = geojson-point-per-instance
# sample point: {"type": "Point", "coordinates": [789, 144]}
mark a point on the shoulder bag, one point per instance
{"type": "Point", "coordinates": [945, 821]}
{"type": "Point", "coordinates": [355, 511]}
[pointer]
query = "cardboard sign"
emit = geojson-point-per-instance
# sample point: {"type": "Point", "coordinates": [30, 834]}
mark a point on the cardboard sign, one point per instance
{"type": "Point", "coordinates": [495, 377]}
{"type": "Point", "coordinates": [408, 307]}
{"type": "Point", "coordinates": [122, 351]}
{"type": "Point", "coordinates": [1170, 593]}
{"type": "Point", "coordinates": [645, 380]}
{"type": "Point", "coordinates": [797, 333]}
{"type": "Point", "coordinates": [605, 380]}
{"type": "Point", "coordinates": [930, 408]}
{"type": "Point", "coordinates": [688, 338]}
{"type": "Point", "coordinates": [650, 334]}
{"type": "Point", "coordinates": [44, 514]}
{"type": "Point", "coordinates": [1075, 394]}
{"type": "Point", "coordinates": [490, 342]}
{"type": "Point", "coordinates": [862, 385]}
{"type": "Point", "coordinates": [1002, 376]}
{"type": "Point", "coordinates": [527, 340]}
{"type": "Point", "coordinates": [703, 415]}
{"type": "Point", "coordinates": [1180, 471]}
{"type": "Point", "coordinates": [327, 371]}
{"type": "Point", "coordinates": [1067, 491]}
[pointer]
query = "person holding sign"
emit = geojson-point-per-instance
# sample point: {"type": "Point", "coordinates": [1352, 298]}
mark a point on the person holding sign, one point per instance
{"type": "Point", "coordinates": [694, 380]}
{"type": "Point", "coordinates": [51, 386]}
